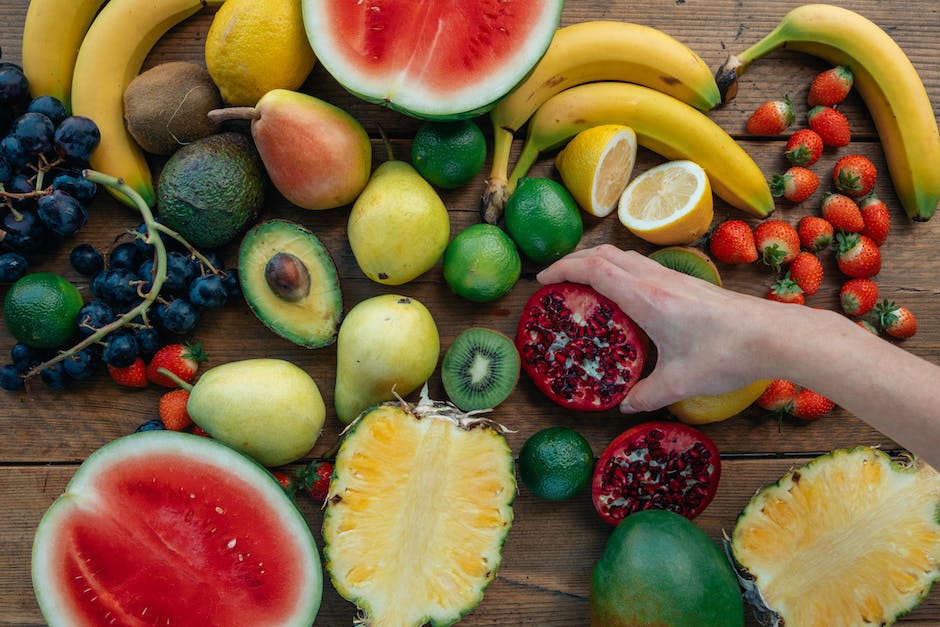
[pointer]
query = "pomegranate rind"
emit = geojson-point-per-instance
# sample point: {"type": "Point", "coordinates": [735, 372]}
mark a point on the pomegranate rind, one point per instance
{"type": "Point", "coordinates": [541, 357]}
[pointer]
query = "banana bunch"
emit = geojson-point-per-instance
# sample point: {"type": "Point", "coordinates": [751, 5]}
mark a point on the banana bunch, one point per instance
{"type": "Point", "coordinates": [89, 67]}
{"type": "Point", "coordinates": [595, 51]}
{"type": "Point", "coordinates": [885, 79]}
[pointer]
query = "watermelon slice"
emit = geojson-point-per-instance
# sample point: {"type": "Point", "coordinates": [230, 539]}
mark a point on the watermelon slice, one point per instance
{"type": "Point", "coordinates": [431, 59]}
{"type": "Point", "coordinates": [169, 528]}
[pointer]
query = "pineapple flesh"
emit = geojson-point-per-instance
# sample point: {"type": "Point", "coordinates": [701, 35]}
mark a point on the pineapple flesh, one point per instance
{"type": "Point", "coordinates": [851, 538]}
{"type": "Point", "coordinates": [419, 507]}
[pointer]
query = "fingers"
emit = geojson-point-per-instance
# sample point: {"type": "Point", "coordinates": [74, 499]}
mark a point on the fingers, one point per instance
{"type": "Point", "coordinates": [648, 395]}
{"type": "Point", "coordinates": [574, 266]}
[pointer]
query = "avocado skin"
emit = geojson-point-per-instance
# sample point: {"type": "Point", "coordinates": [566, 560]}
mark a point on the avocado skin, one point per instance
{"type": "Point", "coordinates": [210, 190]}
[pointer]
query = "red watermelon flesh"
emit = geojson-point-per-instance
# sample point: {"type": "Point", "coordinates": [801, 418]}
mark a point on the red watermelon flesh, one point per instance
{"type": "Point", "coordinates": [165, 530]}
{"type": "Point", "coordinates": [431, 58]}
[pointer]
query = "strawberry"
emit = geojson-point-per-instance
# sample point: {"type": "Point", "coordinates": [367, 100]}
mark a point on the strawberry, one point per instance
{"type": "Point", "coordinates": [314, 479]}
{"type": "Point", "coordinates": [181, 359]}
{"type": "Point", "coordinates": [857, 256]}
{"type": "Point", "coordinates": [832, 126]}
{"type": "Point", "coordinates": [842, 213]}
{"type": "Point", "coordinates": [133, 376]}
{"type": "Point", "coordinates": [173, 410]}
{"type": "Point", "coordinates": [807, 272]}
{"type": "Point", "coordinates": [815, 233]}
{"type": "Point", "coordinates": [777, 243]}
{"type": "Point", "coordinates": [771, 118]}
{"type": "Point", "coordinates": [895, 320]}
{"type": "Point", "coordinates": [854, 175]}
{"type": "Point", "coordinates": [804, 147]}
{"type": "Point", "coordinates": [810, 405]}
{"type": "Point", "coordinates": [830, 87]}
{"type": "Point", "coordinates": [285, 480]}
{"type": "Point", "coordinates": [876, 217]}
{"type": "Point", "coordinates": [732, 241]}
{"type": "Point", "coordinates": [868, 326]}
{"type": "Point", "coordinates": [796, 184]}
{"type": "Point", "coordinates": [786, 291]}
{"type": "Point", "coordinates": [778, 397]}
{"type": "Point", "coordinates": [858, 296]}
{"type": "Point", "coordinates": [197, 430]}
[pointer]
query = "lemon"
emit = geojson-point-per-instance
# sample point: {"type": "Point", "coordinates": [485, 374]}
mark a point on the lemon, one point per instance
{"type": "Point", "coordinates": [669, 204]}
{"type": "Point", "coordinates": [543, 219]}
{"type": "Point", "coordinates": [449, 154]}
{"type": "Point", "coordinates": [40, 310]}
{"type": "Point", "coordinates": [596, 166]}
{"type": "Point", "coordinates": [700, 410]}
{"type": "Point", "coordinates": [556, 463]}
{"type": "Point", "coordinates": [254, 46]}
{"type": "Point", "coordinates": [481, 263]}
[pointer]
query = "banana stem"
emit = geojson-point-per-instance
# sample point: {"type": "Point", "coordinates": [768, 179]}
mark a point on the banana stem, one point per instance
{"type": "Point", "coordinates": [495, 194]}
{"type": "Point", "coordinates": [731, 70]}
{"type": "Point", "coordinates": [528, 157]}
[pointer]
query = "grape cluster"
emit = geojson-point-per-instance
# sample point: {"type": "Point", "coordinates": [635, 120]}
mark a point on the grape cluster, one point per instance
{"type": "Point", "coordinates": [43, 195]}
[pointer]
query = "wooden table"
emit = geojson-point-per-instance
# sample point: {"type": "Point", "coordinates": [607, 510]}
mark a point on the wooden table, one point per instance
{"type": "Point", "coordinates": [552, 546]}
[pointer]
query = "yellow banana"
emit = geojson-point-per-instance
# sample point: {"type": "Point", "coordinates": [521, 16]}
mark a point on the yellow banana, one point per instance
{"type": "Point", "coordinates": [884, 78]}
{"type": "Point", "coordinates": [701, 410]}
{"type": "Point", "coordinates": [585, 52]}
{"type": "Point", "coordinates": [663, 124]}
{"type": "Point", "coordinates": [52, 34]}
{"type": "Point", "coordinates": [111, 55]}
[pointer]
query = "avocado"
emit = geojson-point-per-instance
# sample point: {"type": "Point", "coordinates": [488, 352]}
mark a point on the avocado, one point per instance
{"type": "Point", "coordinates": [289, 280]}
{"type": "Point", "coordinates": [211, 189]}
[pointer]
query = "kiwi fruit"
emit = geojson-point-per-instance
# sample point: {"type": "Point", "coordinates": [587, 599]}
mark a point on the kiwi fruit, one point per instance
{"type": "Point", "coordinates": [167, 106]}
{"type": "Point", "coordinates": [480, 369]}
{"type": "Point", "coordinates": [688, 260]}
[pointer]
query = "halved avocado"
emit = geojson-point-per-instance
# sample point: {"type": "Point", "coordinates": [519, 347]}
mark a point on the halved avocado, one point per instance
{"type": "Point", "coordinates": [290, 282]}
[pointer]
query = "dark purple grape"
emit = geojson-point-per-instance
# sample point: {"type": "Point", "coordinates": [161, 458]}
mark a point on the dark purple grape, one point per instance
{"type": "Point", "coordinates": [13, 152]}
{"type": "Point", "coordinates": [12, 267]}
{"type": "Point", "coordinates": [230, 279]}
{"type": "Point", "coordinates": [76, 186]}
{"type": "Point", "coordinates": [180, 317]}
{"type": "Point", "coordinates": [154, 424]}
{"type": "Point", "coordinates": [98, 284]}
{"type": "Point", "coordinates": [24, 232]}
{"type": "Point", "coordinates": [83, 364]}
{"type": "Point", "coordinates": [120, 349]}
{"type": "Point", "coordinates": [93, 315]}
{"type": "Point", "coordinates": [25, 358]}
{"type": "Point", "coordinates": [76, 137]}
{"type": "Point", "coordinates": [145, 274]}
{"type": "Point", "coordinates": [180, 270]}
{"type": "Point", "coordinates": [208, 291]}
{"type": "Point", "coordinates": [86, 259]}
{"type": "Point", "coordinates": [20, 184]}
{"type": "Point", "coordinates": [140, 232]}
{"type": "Point", "coordinates": [54, 376]}
{"type": "Point", "coordinates": [61, 213]}
{"type": "Point", "coordinates": [14, 88]}
{"type": "Point", "coordinates": [6, 171]}
{"type": "Point", "coordinates": [35, 132]}
{"type": "Point", "coordinates": [121, 285]}
{"type": "Point", "coordinates": [149, 342]}
{"type": "Point", "coordinates": [125, 255]}
{"type": "Point", "coordinates": [10, 378]}
{"type": "Point", "coordinates": [49, 106]}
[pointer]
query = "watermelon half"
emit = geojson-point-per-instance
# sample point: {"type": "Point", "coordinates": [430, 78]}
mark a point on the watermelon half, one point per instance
{"type": "Point", "coordinates": [169, 528]}
{"type": "Point", "coordinates": [431, 59]}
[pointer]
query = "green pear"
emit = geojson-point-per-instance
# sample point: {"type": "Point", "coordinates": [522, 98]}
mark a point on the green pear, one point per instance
{"type": "Point", "coordinates": [398, 227]}
{"type": "Point", "coordinates": [387, 345]}
{"type": "Point", "coordinates": [269, 409]}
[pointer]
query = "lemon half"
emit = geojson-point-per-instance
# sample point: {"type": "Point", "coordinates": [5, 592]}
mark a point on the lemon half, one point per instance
{"type": "Point", "coordinates": [669, 204]}
{"type": "Point", "coordinates": [596, 166]}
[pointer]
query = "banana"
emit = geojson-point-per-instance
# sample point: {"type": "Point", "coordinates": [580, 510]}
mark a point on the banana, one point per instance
{"type": "Point", "coordinates": [701, 410]}
{"type": "Point", "coordinates": [52, 34]}
{"type": "Point", "coordinates": [885, 79]}
{"type": "Point", "coordinates": [595, 51]}
{"type": "Point", "coordinates": [663, 124]}
{"type": "Point", "coordinates": [111, 55]}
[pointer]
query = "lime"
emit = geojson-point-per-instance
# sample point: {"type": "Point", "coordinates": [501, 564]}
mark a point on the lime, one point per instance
{"type": "Point", "coordinates": [543, 219]}
{"type": "Point", "coordinates": [481, 263]}
{"type": "Point", "coordinates": [556, 463]}
{"type": "Point", "coordinates": [40, 310]}
{"type": "Point", "coordinates": [596, 166]}
{"type": "Point", "coordinates": [448, 154]}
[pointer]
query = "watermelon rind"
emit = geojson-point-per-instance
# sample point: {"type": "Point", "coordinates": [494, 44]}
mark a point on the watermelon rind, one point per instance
{"type": "Point", "coordinates": [81, 494]}
{"type": "Point", "coordinates": [401, 93]}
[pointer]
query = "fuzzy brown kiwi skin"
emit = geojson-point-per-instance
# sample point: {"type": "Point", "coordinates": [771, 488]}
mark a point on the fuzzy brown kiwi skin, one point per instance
{"type": "Point", "coordinates": [449, 369]}
{"type": "Point", "coordinates": [688, 260]}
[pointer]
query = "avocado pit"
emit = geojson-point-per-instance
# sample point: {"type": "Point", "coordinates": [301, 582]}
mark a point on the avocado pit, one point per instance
{"type": "Point", "coordinates": [288, 277]}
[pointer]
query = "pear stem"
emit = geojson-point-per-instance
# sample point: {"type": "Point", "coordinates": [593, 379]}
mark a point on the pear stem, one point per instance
{"type": "Point", "coordinates": [169, 374]}
{"type": "Point", "coordinates": [387, 142]}
{"type": "Point", "coordinates": [234, 113]}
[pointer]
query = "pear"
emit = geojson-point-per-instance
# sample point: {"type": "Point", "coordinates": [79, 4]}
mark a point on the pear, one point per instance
{"type": "Point", "coordinates": [269, 409]}
{"type": "Point", "coordinates": [316, 155]}
{"type": "Point", "coordinates": [388, 345]}
{"type": "Point", "coordinates": [399, 227]}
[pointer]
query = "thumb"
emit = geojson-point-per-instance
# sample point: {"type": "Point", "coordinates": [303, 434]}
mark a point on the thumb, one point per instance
{"type": "Point", "coordinates": [649, 394]}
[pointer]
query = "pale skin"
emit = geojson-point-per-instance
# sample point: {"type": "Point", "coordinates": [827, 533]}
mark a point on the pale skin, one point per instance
{"type": "Point", "coordinates": [712, 340]}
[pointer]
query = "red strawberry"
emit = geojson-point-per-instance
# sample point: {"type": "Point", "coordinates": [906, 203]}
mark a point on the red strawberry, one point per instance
{"type": "Point", "coordinates": [858, 296]}
{"type": "Point", "coordinates": [771, 118]}
{"type": "Point", "coordinates": [197, 430]}
{"type": "Point", "coordinates": [181, 359]}
{"type": "Point", "coordinates": [732, 241]}
{"type": "Point", "coordinates": [777, 243]}
{"type": "Point", "coordinates": [315, 479]}
{"type": "Point", "coordinates": [842, 213]}
{"type": "Point", "coordinates": [804, 147]}
{"type": "Point", "coordinates": [285, 480]}
{"type": "Point", "coordinates": [896, 320]}
{"type": "Point", "coordinates": [173, 410]}
{"type": "Point", "coordinates": [830, 87]}
{"type": "Point", "coordinates": [133, 376]}
{"type": "Point", "coordinates": [857, 256]}
{"type": "Point", "coordinates": [868, 326]}
{"type": "Point", "coordinates": [876, 217]}
{"type": "Point", "coordinates": [854, 175]}
{"type": "Point", "coordinates": [815, 233]}
{"type": "Point", "coordinates": [786, 291]}
{"type": "Point", "coordinates": [810, 405]}
{"type": "Point", "coordinates": [778, 396]}
{"type": "Point", "coordinates": [807, 272]}
{"type": "Point", "coordinates": [796, 184]}
{"type": "Point", "coordinates": [831, 125]}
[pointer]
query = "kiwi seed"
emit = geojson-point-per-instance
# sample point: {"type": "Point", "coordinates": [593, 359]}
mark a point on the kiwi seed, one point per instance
{"type": "Point", "coordinates": [480, 369]}
{"type": "Point", "coordinates": [688, 260]}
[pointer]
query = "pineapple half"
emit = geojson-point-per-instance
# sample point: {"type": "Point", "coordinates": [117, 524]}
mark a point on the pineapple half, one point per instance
{"type": "Point", "coordinates": [851, 538]}
{"type": "Point", "coordinates": [420, 504]}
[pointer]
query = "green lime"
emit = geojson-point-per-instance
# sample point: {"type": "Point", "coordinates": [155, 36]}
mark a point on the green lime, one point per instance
{"type": "Point", "coordinates": [449, 154]}
{"type": "Point", "coordinates": [40, 310]}
{"type": "Point", "coordinates": [544, 220]}
{"type": "Point", "coordinates": [556, 463]}
{"type": "Point", "coordinates": [481, 263]}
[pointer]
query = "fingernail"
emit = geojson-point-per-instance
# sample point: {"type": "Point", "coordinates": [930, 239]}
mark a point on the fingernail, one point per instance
{"type": "Point", "coordinates": [626, 407]}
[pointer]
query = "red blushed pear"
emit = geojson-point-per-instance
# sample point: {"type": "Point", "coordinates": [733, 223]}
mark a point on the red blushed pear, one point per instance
{"type": "Point", "coordinates": [317, 155]}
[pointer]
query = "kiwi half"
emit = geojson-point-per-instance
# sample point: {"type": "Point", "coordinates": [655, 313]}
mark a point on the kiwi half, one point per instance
{"type": "Point", "coordinates": [688, 260]}
{"type": "Point", "coordinates": [480, 369]}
